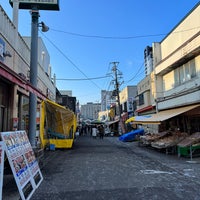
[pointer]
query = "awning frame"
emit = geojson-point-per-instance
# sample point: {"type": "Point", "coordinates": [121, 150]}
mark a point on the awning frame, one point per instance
{"type": "Point", "coordinates": [166, 114]}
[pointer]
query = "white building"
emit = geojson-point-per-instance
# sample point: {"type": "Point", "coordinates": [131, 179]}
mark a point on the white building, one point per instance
{"type": "Point", "coordinates": [90, 110]}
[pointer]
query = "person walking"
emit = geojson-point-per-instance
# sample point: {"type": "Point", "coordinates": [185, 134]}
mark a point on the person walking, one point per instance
{"type": "Point", "coordinates": [94, 132]}
{"type": "Point", "coordinates": [101, 132]}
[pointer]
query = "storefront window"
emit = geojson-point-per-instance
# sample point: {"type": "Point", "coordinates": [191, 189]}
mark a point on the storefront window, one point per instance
{"type": "Point", "coordinates": [168, 81]}
{"type": "Point", "coordinates": [23, 112]}
{"type": "Point", "coordinates": [182, 74]}
{"type": "Point", "coordinates": [176, 77]}
{"type": "Point", "coordinates": [192, 68]}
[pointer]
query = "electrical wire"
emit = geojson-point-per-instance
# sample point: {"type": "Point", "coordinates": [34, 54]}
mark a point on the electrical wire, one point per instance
{"type": "Point", "coordinates": [119, 37]}
{"type": "Point", "coordinates": [69, 60]}
{"type": "Point", "coordinates": [137, 73]}
{"type": "Point", "coordinates": [80, 79]}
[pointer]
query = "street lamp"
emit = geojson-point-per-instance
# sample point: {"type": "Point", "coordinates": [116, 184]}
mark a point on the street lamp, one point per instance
{"type": "Point", "coordinates": [44, 27]}
{"type": "Point", "coordinates": [34, 72]}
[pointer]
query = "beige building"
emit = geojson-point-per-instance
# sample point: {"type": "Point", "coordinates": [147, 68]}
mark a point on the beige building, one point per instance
{"type": "Point", "coordinates": [127, 101]}
{"type": "Point", "coordinates": [172, 90]}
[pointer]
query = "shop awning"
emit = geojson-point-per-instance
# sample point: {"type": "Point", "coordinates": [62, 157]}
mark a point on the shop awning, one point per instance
{"type": "Point", "coordinates": [137, 118]}
{"type": "Point", "coordinates": [13, 77]}
{"type": "Point", "coordinates": [164, 115]}
{"type": "Point", "coordinates": [112, 122]}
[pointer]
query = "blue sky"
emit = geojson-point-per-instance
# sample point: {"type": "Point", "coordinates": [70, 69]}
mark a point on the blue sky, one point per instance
{"type": "Point", "coordinates": [86, 36]}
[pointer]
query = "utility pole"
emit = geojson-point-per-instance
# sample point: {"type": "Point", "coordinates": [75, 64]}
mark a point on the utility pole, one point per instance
{"type": "Point", "coordinates": [34, 72]}
{"type": "Point", "coordinates": [33, 76]}
{"type": "Point", "coordinates": [117, 76]}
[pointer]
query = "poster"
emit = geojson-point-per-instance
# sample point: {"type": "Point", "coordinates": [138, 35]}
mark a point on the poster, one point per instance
{"type": "Point", "coordinates": [1, 167]}
{"type": "Point", "coordinates": [23, 162]}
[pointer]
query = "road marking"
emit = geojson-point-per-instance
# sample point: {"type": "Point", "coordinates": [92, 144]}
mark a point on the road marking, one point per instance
{"type": "Point", "coordinates": [149, 171]}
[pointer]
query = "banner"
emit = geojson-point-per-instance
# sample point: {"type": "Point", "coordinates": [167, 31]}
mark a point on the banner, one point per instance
{"type": "Point", "coordinates": [22, 161]}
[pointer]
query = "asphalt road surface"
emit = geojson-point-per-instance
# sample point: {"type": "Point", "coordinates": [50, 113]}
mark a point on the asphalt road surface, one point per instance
{"type": "Point", "coordinates": [108, 169]}
{"type": "Point", "coordinates": [98, 169]}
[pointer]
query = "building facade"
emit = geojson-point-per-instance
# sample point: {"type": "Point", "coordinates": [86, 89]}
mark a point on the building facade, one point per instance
{"type": "Point", "coordinates": [15, 86]}
{"type": "Point", "coordinates": [107, 100]}
{"type": "Point", "coordinates": [148, 60]}
{"type": "Point", "coordinates": [90, 110]}
{"type": "Point", "coordinates": [127, 101]}
{"type": "Point", "coordinates": [174, 83]}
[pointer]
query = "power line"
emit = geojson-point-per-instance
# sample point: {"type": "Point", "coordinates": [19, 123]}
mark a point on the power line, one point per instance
{"type": "Point", "coordinates": [137, 73]}
{"type": "Point", "coordinates": [107, 37]}
{"type": "Point", "coordinates": [119, 37]}
{"type": "Point", "coordinates": [69, 60]}
{"type": "Point", "coordinates": [80, 79]}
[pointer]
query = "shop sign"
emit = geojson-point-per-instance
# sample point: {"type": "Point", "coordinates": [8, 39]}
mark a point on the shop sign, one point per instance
{"type": "Point", "coordinates": [40, 4]}
{"type": "Point", "coordinates": [23, 162]}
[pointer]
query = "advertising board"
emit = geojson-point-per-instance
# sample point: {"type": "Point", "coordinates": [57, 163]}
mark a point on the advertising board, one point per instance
{"type": "Point", "coordinates": [23, 162]}
{"type": "Point", "coordinates": [1, 166]}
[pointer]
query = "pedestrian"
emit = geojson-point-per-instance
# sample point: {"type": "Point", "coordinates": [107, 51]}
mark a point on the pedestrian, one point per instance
{"type": "Point", "coordinates": [94, 132]}
{"type": "Point", "coordinates": [101, 132]}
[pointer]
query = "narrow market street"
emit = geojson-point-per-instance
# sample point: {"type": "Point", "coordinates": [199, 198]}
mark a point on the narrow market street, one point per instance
{"type": "Point", "coordinates": [110, 169]}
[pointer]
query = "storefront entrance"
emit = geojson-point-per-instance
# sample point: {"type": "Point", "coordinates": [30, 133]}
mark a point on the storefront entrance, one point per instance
{"type": "Point", "coordinates": [4, 105]}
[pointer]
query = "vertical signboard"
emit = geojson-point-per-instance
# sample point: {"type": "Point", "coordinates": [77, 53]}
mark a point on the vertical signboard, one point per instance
{"type": "Point", "coordinates": [1, 167]}
{"type": "Point", "coordinates": [130, 104]}
{"type": "Point", "coordinates": [23, 162]}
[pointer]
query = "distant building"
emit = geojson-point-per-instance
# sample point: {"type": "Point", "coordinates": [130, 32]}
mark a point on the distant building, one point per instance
{"type": "Point", "coordinates": [148, 60]}
{"type": "Point", "coordinates": [106, 100]}
{"type": "Point", "coordinates": [66, 92]}
{"type": "Point", "coordinates": [69, 102]}
{"type": "Point", "coordinates": [90, 110]}
{"type": "Point", "coordinates": [65, 100]}
{"type": "Point", "coordinates": [127, 101]}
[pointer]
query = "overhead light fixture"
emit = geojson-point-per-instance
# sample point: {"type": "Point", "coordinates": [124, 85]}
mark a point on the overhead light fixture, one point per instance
{"type": "Point", "coordinates": [44, 27]}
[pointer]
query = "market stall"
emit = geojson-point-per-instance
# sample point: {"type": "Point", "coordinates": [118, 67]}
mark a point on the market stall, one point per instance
{"type": "Point", "coordinates": [57, 125]}
{"type": "Point", "coordinates": [169, 142]}
{"type": "Point", "coordinates": [166, 140]}
{"type": "Point", "coordinates": [148, 138]}
{"type": "Point", "coordinates": [190, 145]}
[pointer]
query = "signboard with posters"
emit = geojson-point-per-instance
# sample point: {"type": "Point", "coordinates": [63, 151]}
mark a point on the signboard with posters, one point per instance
{"type": "Point", "coordinates": [23, 163]}
{"type": "Point", "coordinates": [40, 4]}
{"type": "Point", "coordinates": [1, 166]}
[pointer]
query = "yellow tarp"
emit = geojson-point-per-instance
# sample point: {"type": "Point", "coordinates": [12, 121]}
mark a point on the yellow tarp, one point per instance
{"type": "Point", "coordinates": [131, 119]}
{"type": "Point", "coordinates": [57, 125]}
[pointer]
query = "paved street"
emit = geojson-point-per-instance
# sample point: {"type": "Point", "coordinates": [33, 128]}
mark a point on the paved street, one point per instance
{"type": "Point", "coordinates": [110, 169]}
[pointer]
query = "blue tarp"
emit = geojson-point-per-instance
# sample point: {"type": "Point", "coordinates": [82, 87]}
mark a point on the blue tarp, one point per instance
{"type": "Point", "coordinates": [130, 136]}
